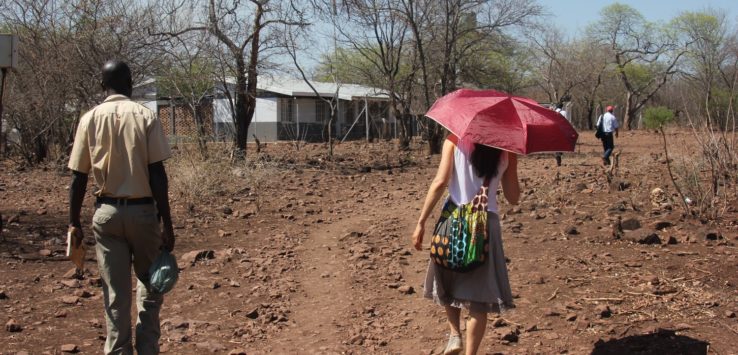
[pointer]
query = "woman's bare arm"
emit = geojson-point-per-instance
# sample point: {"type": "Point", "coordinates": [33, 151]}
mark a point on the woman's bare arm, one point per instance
{"type": "Point", "coordinates": [435, 191]}
{"type": "Point", "coordinates": [510, 185]}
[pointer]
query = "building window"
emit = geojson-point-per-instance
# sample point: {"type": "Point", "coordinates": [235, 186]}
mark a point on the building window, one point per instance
{"type": "Point", "coordinates": [287, 110]}
{"type": "Point", "coordinates": [321, 111]}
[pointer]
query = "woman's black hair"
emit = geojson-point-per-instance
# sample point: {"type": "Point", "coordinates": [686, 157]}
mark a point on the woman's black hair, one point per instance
{"type": "Point", "coordinates": [485, 160]}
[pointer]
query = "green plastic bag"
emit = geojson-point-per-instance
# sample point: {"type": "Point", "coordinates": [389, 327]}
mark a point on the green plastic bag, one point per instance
{"type": "Point", "coordinates": [163, 273]}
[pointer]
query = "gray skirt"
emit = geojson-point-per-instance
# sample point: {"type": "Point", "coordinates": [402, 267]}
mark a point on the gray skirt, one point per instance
{"type": "Point", "coordinates": [485, 289]}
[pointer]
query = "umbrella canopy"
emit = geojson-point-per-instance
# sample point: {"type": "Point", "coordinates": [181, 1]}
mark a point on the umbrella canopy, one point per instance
{"type": "Point", "coordinates": [499, 120]}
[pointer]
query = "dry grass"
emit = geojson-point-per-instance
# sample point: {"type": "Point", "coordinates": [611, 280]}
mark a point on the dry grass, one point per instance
{"type": "Point", "coordinates": [195, 178]}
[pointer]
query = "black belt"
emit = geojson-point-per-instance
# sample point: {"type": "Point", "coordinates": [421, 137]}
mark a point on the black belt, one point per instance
{"type": "Point", "coordinates": [125, 201]}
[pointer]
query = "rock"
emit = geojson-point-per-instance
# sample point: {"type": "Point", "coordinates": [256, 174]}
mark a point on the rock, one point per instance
{"type": "Point", "coordinates": [661, 225]}
{"type": "Point", "coordinates": [620, 185]}
{"type": "Point", "coordinates": [210, 346]}
{"type": "Point", "coordinates": [571, 317]}
{"type": "Point", "coordinates": [672, 240]}
{"type": "Point", "coordinates": [499, 322]}
{"type": "Point", "coordinates": [571, 230]}
{"type": "Point", "coordinates": [351, 235]}
{"type": "Point", "coordinates": [603, 311]}
{"type": "Point", "coordinates": [44, 252]}
{"type": "Point", "coordinates": [729, 314]}
{"type": "Point", "coordinates": [406, 290]}
{"type": "Point", "coordinates": [12, 326]}
{"type": "Point", "coordinates": [551, 313]}
{"type": "Point", "coordinates": [616, 208]}
{"type": "Point", "coordinates": [82, 294]}
{"type": "Point", "coordinates": [713, 235]}
{"type": "Point", "coordinates": [196, 255]}
{"type": "Point", "coordinates": [70, 348]}
{"type": "Point", "coordinates": [657, 197]}
{"type": "Point", "coordinates": [511, 336]}
{"type": "Point", "coordinates": [646, 238]}
{"type": "Point", "coordinates": [95, 281]}
{"type": "Point", "coordinates": [70, 299]}
{"type": "Point", "coordinates": [357, 339]}
{"type": "Point", "coordinates": [73, 273]}
{"type": "Point", "coordinates": [630, 224]}
{"type": "Point", "coordinates": [73, 283]}
{"type": "Point", "coordinates": [227, 210]}
{"type": "Point", "coordinates": [3, 295]}
{"type": "Point", "coordinates": [253, 313]}
{"type": "Point", "coordinates": [238, 352]}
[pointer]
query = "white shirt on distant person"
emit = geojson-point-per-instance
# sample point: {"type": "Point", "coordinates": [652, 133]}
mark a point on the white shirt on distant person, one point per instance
{"type": "Point", "coordinates": [562, 112]}
{"type": "Point", "coordinates": [609, 122]}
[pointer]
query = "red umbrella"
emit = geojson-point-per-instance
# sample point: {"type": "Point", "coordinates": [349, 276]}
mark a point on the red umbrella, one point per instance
{"type": "Point", "coordinates": [499, 120]}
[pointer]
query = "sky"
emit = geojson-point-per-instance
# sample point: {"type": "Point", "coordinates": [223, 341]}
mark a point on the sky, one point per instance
{"type": "Point", "coordinates": [573, 16]}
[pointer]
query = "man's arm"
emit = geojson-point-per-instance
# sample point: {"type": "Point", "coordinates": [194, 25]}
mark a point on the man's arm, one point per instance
{"type": "Point", "coordinates": [76, 196]}
{"type": "Point", "coordinates": [160, 192]}
{"type": "Point", "coordinates": [615, 124]}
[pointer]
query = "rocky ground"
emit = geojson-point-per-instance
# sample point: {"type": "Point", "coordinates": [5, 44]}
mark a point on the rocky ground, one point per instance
{"type": "Point", "coordinates": [296, 253]}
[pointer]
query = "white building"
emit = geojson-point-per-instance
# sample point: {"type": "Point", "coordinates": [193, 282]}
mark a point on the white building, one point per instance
{"type": "Point", "coordinates": [286, 109]}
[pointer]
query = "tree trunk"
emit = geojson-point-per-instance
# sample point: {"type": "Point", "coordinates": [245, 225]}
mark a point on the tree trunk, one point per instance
{"type": "Point", "coordinates": [242, 119]}
{"type": "Point", "coordinates": [435, 137]}
{"type": "Point", "coordinates": [627, 114]}
{"type": "Point", "coordinates": [590, 115]}
{"type": "Point", "coordinates": [401, 119]}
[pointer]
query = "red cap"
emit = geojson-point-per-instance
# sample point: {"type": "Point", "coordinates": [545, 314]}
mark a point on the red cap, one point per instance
{"type": "Point", "coordinates": [609, 108]}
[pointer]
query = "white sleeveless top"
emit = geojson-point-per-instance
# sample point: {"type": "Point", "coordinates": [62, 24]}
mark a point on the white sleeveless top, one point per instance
{"type": "Point", "coordinates": [465, 183]}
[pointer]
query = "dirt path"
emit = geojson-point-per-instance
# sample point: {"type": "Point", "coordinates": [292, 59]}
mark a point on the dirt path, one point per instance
{"type": "Point", "coordinates": [325, 266]}
{"type": "Point", "coordinates": [323, 305]}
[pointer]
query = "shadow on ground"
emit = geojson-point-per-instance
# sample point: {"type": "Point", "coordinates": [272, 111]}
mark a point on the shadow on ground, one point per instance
{"type": "Point", "coordinates": [663, 341]}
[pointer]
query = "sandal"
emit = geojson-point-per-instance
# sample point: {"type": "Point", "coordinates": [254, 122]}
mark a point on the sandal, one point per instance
{"type": "Point", "coordinates": [454, 345]}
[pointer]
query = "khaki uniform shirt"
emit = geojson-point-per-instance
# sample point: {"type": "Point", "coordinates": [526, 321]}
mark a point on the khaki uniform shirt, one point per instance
{"type": "Point", "coordinates": [116, 141]}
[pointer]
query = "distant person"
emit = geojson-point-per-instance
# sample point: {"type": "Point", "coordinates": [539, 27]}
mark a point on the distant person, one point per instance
{"type": "Point", "coordinates": [609, 127]}
{"type": "Point", "coordinates": [463, 170]}
{"type": "Point", "coordinates": [122, 144]}
{"type": "Point", "coordinates": [560, 109]}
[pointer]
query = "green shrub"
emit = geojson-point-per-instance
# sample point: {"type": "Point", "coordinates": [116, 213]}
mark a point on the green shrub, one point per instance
{"type": "Point", "coordinates": [657, 117]}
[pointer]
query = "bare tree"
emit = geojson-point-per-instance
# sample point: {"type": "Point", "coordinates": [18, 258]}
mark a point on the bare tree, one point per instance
{"type": "Point", "coordinates": [380, 38]}
{"type": "Point", "coordinates": [645, 55]}
{"type": "Point", "coordinates": [454, 30]}
{"type": "Point", "coordinates": [291, 47]}
{"type": "Point", "coordinates": [63, 45]}
{"type": "Point", "coordinates": [188, 77]}
{"type": "Point", "coordinates": [244, 30]}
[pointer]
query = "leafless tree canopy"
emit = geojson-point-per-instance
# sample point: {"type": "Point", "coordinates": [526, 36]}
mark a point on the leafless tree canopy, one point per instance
{"type": "Point", "coordinates": [415, 50]}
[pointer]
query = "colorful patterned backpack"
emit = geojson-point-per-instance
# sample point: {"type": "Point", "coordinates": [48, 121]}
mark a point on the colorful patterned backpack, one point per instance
{"type": "Point", "coordinates": [460, 239]}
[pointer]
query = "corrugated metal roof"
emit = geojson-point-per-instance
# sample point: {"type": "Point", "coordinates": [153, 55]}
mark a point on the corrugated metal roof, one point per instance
{"type": "Point", "coordinates": [297, 87]}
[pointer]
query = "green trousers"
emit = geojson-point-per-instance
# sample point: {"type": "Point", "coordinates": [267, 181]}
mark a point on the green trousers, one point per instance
{"type": "Point", "coordinates": [125, 235]}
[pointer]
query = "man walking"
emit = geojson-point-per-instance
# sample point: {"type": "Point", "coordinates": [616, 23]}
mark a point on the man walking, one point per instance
{"type": "Point", "coordinates": [609, 127]}
{"type": "Point", "coordinates": [122, 144]}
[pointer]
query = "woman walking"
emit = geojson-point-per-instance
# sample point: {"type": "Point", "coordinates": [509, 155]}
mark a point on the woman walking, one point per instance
{"type": "Point", "coordinates": [464, 169]}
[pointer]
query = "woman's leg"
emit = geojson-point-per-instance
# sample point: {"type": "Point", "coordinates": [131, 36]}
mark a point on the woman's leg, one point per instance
{"type": "Point", "coordinates": [475, 328]}
{"type": "Point", "coordinates": [453, 316]}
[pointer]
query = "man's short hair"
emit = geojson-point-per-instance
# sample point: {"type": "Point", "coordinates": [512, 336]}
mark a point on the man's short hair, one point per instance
{"type": "Point", "coordinates": [116, 75]}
